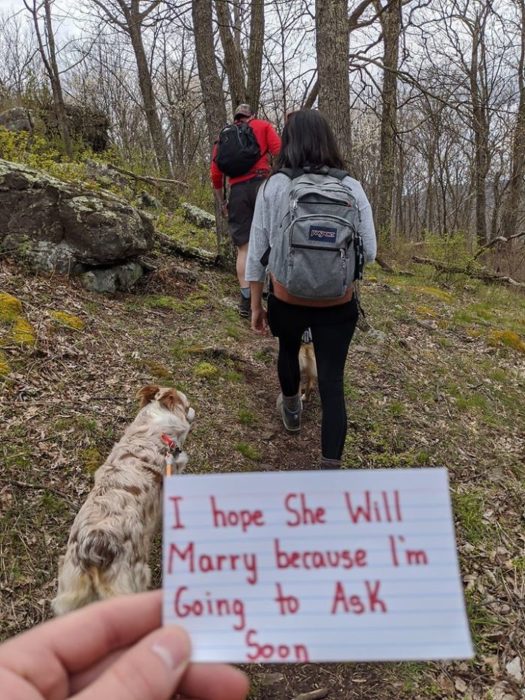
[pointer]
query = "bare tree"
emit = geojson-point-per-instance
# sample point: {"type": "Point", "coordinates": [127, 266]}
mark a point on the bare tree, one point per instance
{"type": "Point", "coordinates": [242, 58]}
{"type": "Point", "coordinates": [515, 185]}
{"type": "Point", "coordinates": [41, 15]}
{"type": "Point", "coordinates": [391, 27]}
{"type": "Point", "coordinates": [332, 40]}
{"type": "Point", "coordinates": [212, 94]}
{"type": "Point", "coordinates": [133, 17]}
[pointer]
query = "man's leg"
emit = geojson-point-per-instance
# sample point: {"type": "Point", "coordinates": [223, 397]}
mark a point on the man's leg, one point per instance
{"type": "Point", "coordinates": [240, 214]}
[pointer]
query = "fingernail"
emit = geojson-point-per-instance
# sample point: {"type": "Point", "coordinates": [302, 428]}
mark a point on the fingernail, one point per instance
{"type": "Point", "coordinates": [173, 648]}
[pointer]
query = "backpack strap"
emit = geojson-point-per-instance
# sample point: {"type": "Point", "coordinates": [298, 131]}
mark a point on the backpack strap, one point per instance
{"type": "Point", "coordinates": [339, 174]}
{"type": "Point", "coordinates": [292, 173]}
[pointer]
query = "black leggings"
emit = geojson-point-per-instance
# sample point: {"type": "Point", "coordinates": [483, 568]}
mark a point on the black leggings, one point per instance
{"type": "Point", "coordinates": [332, 330]}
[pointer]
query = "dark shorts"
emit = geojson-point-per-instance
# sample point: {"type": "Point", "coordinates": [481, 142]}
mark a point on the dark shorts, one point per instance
{"type": "Point", "coordinates": [241, 206]}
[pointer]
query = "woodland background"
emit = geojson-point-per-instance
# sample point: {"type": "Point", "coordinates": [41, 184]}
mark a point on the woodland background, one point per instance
{"type": "Point", "coordinates": [427, 98]}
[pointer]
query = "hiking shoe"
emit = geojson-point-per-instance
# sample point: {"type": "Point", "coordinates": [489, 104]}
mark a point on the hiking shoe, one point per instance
{"type": "Point", "coordinates": [290, 409]}
{"type": "Point", "coordinates": [245, 309]}
{"type": "Point", "coordinates": [329, 463]}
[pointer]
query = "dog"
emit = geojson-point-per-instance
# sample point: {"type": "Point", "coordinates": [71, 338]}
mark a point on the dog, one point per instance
{"type": "Point", "coordinates": [308, 369]}
{"type": "Point", "coordinates": [108, 548]}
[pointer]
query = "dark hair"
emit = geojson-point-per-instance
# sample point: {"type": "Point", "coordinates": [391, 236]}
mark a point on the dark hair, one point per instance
{"type": "Point", "coordinates": [308, 140]}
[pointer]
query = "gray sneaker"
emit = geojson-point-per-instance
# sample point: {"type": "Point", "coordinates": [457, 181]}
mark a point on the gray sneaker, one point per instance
{"type": "Point", "coordinates": [290, 409]}
{"type": "Point", "coordinates": [245, 310]}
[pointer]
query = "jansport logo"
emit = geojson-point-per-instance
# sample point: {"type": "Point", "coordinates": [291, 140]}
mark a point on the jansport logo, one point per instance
{"type": "Point", "coordinates": [323, 234]}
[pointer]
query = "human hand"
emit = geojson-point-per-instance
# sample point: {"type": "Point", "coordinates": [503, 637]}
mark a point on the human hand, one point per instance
{"type": "Point", "coordinates": [112, 650]}
{"type": "Point", "coordinates": [224, 209]}
{"type": "Point", "coordinates": [259, 320]}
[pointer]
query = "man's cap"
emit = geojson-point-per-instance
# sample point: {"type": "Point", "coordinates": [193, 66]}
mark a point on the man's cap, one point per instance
{"type": "Point", "coordinates": [243, 110]}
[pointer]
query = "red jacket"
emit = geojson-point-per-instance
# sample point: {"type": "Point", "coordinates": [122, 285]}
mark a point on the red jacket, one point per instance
{"type": "Point", "coordinates": [269, 142]}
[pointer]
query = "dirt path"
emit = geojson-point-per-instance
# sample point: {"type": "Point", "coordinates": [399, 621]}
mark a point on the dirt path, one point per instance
{"type": "Point", "coordinates": [435, 386]}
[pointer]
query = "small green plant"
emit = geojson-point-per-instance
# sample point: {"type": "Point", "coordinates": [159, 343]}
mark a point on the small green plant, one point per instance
{"type": "Point", "coordinates": [468, 507]}
{"type": "Point", "coordinates": [248, 451]}
{"type": "Point", "coordinates": [247, 418]}
{"type": "Point", "coordinates": [205, 370]}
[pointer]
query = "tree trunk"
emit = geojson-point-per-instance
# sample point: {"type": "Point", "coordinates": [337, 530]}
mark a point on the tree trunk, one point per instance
{"type": "Point", "coordinates": [255, 54]}
{"type": "Point", "coordinates": [515, 186]}
{"type": "Point", "coordinates": [49, 59]}
{"type": "Point", "coordinates": [148, 95]}
{"type": "Point", "coordinates": [233, 59]}
{"type": "Point", "coordinates": [213, 98]}
{"type": "Point", "coordinates": [391, 25]}
{"type": "Point", "coordinates": [332, 46]}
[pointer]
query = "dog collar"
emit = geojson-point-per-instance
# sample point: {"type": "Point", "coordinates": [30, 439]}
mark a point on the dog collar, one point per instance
{"type": "Point", "coordinates": [171, 444]}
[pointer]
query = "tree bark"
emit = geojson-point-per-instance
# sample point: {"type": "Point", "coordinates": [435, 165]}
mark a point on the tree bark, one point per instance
{"type": "Point", "coordinates": [213, 98]}
{"type": "Point", "coordinates": [233, 59]}
{"type": "Point", "coordinates": [255, 54]}
{"type": "Point", "coordinates": [332, 46]}
{"type": "Point", "coordinates": [481, 134]}
{"type": "Point", "coordinates": [515, 186]}
{"type": "Point", "coordinates": [147, 90]}
{"type": "Point", "coordinates": [391, 26]}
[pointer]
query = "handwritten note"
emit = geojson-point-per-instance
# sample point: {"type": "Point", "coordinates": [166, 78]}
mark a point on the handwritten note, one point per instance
{"type": "Point", "coordinates": [314, 566]}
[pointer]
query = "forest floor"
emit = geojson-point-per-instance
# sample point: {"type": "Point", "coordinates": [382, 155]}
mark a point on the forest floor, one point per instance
{"type": "Point", "coordinates": [439, 381]}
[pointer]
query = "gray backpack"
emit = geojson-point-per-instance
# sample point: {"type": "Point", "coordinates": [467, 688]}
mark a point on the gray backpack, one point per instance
{"type": "Point", "coordinates": [318, 251]}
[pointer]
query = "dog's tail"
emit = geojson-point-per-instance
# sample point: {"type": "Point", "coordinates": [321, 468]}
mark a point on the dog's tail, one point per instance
{"type": "Point", "coordinates": [98, 549]}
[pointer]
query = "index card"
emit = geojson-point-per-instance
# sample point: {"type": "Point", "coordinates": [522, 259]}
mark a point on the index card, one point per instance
{"type": "Point", "coordinates": [305, 566]}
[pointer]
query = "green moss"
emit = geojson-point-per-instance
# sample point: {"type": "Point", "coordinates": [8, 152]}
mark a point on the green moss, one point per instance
{"type": "Point", "coordinates": [23, 332]}
{"type": "Point", "coordinates": [434, 292]}
{"type": "Point", "coordinates": [10, 307]}
{"type": "Point", "coordinates": [205, 370]}
{"type": "Point", "coordinates": [427, 311]}
{"type": "Point", "coordinates": [233, 376]}
{"type": "Point", "coordinates": [163, 302]}
{"type": "Point", "coordinates": [249, 451]}
{"type": "Point", "coordinates": [91, 459]}
{"type": "Point", "coordinates": [4, 365]}
{"type": "Point", "coordinates": [68, 320]}
{"type": "Point", "coordinates": [507, 338]}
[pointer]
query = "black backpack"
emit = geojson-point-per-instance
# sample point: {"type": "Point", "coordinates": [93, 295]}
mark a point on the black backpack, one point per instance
{"type": "Point", "coordinates": [237, 149]}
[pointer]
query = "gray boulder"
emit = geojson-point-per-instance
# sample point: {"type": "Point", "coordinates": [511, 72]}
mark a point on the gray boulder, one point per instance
{"type": "Point", "coordinates": [109, 280]}
{"type": "Point", "coordinates": [17, 119]}
{"type": "Point", "coordinates": [64, 227]}
{"type": "Point", "coordinates": [197, 216]}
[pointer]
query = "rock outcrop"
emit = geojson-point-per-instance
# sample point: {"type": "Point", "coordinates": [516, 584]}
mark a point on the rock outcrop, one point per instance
{"type": "Point", "coordinates": [17, 119]}
{"type": "Point", "coordinates": [67, 228]}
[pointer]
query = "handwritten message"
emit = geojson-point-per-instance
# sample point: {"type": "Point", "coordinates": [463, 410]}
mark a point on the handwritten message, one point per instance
{"type": "Point", "coordinates": [314, 566]}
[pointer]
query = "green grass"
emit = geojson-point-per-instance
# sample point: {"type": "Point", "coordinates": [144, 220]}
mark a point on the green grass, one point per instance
{"type": "Point", "coordinates": [468, 507]}
{"type": "Point", "coordinates": [249, 451]}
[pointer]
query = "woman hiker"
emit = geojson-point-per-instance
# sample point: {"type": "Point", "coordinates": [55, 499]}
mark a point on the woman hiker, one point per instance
{"type": "Point", "coordinates": [308, 144]}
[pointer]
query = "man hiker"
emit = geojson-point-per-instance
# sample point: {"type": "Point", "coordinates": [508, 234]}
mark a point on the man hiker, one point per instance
{"type": "Point", "coordinates": [242, 155]}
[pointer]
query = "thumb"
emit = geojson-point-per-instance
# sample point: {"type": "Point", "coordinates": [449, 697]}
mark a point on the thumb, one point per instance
{"type": "Point", "coordinates": [151, 670]}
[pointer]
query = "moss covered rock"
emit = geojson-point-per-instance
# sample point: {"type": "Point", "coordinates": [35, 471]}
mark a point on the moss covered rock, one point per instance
{"type": "Point", "coordinates": [69, 320]}
{"type": "Point", "coordinates": [10, 307]}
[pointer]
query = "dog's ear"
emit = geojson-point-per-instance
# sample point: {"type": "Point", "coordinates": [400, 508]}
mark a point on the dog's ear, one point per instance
{"type": "Point", "coordinates": [171, 400]}
{"type": "Point", "coordinates": [147, 394]}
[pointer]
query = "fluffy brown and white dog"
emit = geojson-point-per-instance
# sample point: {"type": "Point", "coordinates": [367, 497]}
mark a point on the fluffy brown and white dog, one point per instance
{"type": "Point", "coordinates": [108, 548]}
{"type": "Point", "coordinates": [308, 369]}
